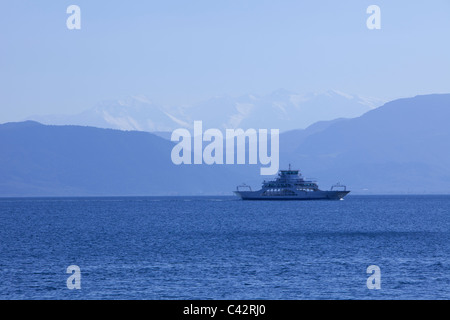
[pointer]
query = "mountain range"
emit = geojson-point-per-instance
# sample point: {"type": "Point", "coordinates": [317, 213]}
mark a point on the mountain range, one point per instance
{"type": "Point", "coordinates": [401, 147]}
{"type": "Point", "coordinates": [281, 109]}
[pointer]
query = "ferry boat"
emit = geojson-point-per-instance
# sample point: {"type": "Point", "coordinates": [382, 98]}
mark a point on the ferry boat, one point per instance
{"type": "Point", "coordinates": [290, 185]}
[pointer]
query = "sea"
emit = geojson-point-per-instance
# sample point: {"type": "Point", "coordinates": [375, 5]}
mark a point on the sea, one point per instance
{"type": "Point", "coordinates": [223, 248]}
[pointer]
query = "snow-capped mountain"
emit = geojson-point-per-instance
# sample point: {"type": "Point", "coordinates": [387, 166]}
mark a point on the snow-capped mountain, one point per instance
{"type": "Point", "coordinates": [133, 113]}
{"type": "Point", "coordinates": [280, 109]}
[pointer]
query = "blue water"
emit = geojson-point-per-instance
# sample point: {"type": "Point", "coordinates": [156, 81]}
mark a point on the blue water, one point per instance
{"type": "Point", "coordinates": [223, 248]}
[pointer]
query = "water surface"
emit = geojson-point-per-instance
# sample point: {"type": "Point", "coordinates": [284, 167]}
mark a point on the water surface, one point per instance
{"type": "Point", "coordinates": [224, 248]}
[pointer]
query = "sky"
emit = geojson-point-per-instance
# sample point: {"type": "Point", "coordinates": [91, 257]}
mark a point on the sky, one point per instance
{"type": "Point", "coordinates": [181, 52]}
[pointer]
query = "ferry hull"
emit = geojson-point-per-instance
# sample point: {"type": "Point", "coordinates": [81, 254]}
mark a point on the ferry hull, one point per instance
{"type": "Point", "coordinates": [314, 195]}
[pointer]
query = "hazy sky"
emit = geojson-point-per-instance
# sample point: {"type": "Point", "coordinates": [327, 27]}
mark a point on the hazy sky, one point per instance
{"type": "Point", "coordinates": [179, 52]}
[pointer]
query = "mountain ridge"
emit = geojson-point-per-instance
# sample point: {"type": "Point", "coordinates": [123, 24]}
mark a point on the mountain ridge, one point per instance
{"type": "Point", "coordinates": [281, 109]}
{"type": "Point", "coordinates": [400, 147]}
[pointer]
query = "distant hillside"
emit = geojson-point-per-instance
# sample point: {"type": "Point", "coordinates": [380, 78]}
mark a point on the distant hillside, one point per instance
{"type": "Point", "coordinates": [39, 160]}
{"type": "Point", "coordinates": [401, 147]}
